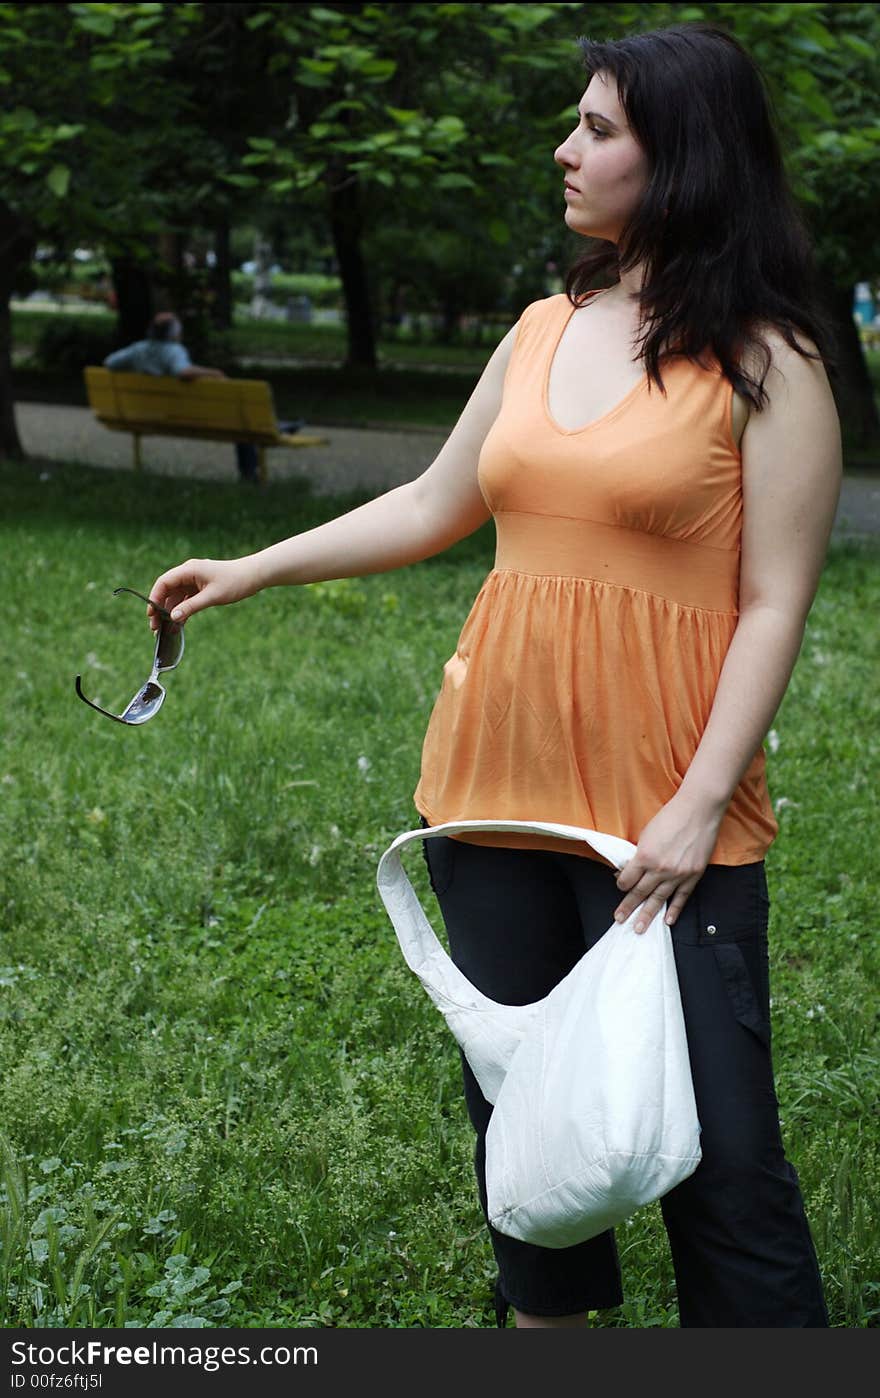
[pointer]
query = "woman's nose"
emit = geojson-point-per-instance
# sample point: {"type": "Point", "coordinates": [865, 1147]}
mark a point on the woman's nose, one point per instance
{"type": "Point", "coordinates": [561, 154]}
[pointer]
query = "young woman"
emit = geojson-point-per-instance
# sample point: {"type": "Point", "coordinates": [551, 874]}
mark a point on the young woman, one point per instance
{"type": "Point", "coordinates": [662, 460]}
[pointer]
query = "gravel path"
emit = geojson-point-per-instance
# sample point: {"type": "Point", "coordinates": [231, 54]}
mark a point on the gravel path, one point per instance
{"type": "Point", "coordinates": [355, 459]}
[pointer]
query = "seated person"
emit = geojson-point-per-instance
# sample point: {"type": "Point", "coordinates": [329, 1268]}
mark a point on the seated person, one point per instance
{"type": "Point", "coordinates": [163, 354]}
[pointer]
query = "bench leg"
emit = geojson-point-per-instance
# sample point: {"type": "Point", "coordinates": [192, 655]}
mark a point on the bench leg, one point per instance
{"type": "Point", "coordinates": [262, 469]}
{"type": "Point", "coordinates": [136, 442]}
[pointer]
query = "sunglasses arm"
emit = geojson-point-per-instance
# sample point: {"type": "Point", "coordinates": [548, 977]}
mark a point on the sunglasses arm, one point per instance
{"type": "Point", "coordinates": [105, 712]}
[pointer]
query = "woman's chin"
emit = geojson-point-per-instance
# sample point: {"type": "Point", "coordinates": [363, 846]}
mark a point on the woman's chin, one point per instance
{"type": "Point", "coordinates": [580, 225]}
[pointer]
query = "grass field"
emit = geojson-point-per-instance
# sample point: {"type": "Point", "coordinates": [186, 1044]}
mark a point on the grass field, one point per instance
{"type": "Point", "coordinates": [225, 1099]}
{"type": "Point", "coordinates": [271, 339]}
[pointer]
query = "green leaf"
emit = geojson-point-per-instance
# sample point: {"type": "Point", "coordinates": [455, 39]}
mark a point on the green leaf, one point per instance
{"type": "Point", "coordinates": [96, 23]}
{"type": "Point", "coordinates": [403, 114]}
{"type": "Point", "coordinates": [499, 231]}
{"type": "Point", "coordinates": [58, 180]}
{"type": "Point", "coordinates": [377, 69]}
{"type": "Point", "coordinates": [452, 126]}
{"type": "Point", "coordinates": [24, 118]}
{"type": "Point", "coordinates": [819, 105]}
{"type": "Point", "coordinates": [453, 180]}
{"type": "Point", "coordinates": [858, 45]}
{"type": "Point", "coordinates": [319, 66]}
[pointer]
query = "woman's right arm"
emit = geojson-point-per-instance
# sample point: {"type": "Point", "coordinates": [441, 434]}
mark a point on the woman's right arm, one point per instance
{"type": "Point", "coordinates": [414, 521]}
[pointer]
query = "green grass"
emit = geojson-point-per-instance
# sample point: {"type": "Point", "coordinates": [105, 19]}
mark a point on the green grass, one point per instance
{"type": "Point", "coordinates": [277, 339]}
{"type": "Point", "coordinates": [223, 1094]}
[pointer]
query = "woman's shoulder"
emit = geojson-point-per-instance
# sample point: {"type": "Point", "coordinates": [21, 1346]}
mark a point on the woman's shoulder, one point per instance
{"type": "Point", "coordinates": [767, 347]}
{"type": "Point", "coordinates": [546, 308]}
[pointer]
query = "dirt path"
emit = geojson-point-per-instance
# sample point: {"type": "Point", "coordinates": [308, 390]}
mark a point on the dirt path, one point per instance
{"type": "Point", "coordinates": [355, 459]}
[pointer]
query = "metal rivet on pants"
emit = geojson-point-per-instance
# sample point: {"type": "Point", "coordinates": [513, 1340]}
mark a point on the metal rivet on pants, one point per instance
{"type": "Point", "coordinates": [711, 927]}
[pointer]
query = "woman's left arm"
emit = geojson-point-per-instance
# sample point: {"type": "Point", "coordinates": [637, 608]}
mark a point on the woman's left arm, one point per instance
{"type": "Point", "coordinates": [791, 477]}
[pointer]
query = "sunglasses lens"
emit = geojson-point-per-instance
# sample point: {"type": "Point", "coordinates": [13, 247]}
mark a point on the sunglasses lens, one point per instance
{"type": "Point", "coordinates": [170, 645]}
{"type": "Point", "coordinates": [146, 702]}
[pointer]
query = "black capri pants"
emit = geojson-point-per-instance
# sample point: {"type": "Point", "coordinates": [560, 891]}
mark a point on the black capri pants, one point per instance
{"type": "Point", "coordinates": [517, 921]}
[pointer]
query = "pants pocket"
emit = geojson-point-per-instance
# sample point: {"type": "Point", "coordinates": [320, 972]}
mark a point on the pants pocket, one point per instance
{"type": "Point", "coordinates": [733, 909]}
{"type": "Point", "coordinates": [741, 990]}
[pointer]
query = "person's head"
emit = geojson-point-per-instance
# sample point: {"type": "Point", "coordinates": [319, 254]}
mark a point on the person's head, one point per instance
{"type": "Point", "coordinates": [685, 182]}
{"type": "Point", "coordinates": [165, 326]}
{"type": "Point", "coordinates": [605, 166]}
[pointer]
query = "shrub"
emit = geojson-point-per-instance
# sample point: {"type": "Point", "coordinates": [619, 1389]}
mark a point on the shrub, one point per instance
{"type": "Point", "coordinates": [68, 345]}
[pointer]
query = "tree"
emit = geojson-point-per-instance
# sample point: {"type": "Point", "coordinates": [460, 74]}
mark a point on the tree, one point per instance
{"type": "Point", "coordinates": [87, 117]}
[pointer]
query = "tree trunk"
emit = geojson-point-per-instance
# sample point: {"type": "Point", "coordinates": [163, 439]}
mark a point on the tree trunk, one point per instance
{"type": "Point", "coordinates": [134, 298]}
{"type": "Point", "coordinates": [16, 249]}
{"type": "Point", "coordinates": [853, 389]}
{"type": "Point", "coordinates": [169, 279]}
{"type": "Point", "coordinates": [222, 276]}
{"type": "Point", "coordinates": [346, 223]}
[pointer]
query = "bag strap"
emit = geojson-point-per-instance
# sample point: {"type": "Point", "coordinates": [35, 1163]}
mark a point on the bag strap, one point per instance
{"type": "Point", "coordinates": [491, 1032]}
{"type": "Point", "coordinates": [421, 949]}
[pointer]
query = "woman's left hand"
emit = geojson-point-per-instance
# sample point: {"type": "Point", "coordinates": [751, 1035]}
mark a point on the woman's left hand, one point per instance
{"type": "Point", "coordinates": [671, 856]}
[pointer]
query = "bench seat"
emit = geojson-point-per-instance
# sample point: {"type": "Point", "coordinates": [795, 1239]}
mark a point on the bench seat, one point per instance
{"type": "Point", "coordinates": [214, 410]}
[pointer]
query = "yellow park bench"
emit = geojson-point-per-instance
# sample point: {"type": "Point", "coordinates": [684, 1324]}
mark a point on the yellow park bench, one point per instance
{"type": "Point", "coordinates": [215, 410]}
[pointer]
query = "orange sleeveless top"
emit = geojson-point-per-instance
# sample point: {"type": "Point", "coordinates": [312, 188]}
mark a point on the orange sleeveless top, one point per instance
{"type": "Point", "coordinates": [586, 670]}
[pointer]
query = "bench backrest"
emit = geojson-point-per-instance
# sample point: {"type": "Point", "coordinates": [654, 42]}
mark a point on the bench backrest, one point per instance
{"type": "Point", "coordinates": [142, 400]}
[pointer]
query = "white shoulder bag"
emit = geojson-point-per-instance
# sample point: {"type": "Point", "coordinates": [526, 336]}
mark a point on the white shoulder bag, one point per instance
{"type": "Point", "coordinates": [593, 1100]}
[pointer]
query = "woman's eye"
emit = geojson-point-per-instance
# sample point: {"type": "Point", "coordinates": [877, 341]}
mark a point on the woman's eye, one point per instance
{"type": "Point", "coordinates": [602, 135]}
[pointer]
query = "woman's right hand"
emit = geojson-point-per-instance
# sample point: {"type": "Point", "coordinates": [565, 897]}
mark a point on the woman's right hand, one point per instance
{"type": "Point", "coordinates": [200, 583]}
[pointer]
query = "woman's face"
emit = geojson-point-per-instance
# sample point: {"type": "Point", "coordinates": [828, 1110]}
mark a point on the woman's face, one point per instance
{"type": "Point", "coordinates": [603, 163]}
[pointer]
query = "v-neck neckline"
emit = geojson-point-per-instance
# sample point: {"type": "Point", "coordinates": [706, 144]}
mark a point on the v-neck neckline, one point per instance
{"type": "Point", "coordinates": [599, 421]}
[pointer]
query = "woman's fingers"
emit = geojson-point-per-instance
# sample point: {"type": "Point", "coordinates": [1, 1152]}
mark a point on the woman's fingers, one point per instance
{"type": "Point", "coordinates": [648, 906]}
{"type": "Point", "coordinates": [648, 896]}
{"type": "Point", "coordinates": [203, 582]}
{"type": "Point", "coordinates": [176, 589]}
{"type": "Point", "coordinates": [677, 902]}
{"type": "Point", "coordinates": [649, 903]}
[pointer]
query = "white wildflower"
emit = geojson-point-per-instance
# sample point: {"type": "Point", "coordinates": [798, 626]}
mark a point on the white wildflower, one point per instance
{"type": "Point", "coordinates": [773, 740]}
{"type": "Point", "coordinates": [364, 764]}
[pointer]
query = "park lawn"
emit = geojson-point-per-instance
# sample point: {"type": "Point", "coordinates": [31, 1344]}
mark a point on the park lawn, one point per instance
{"type": "Point", "coordinates": [271, 339]}
{"type": "Point", "coordinates": [225, 1099]}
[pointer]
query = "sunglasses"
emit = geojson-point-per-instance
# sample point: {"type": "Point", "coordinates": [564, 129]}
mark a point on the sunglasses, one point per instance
{"type": "Point", "coordinates": [151, 696]}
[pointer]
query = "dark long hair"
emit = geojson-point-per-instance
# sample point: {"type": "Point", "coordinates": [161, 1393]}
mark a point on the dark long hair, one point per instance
{"type": "Point", "coordinates": [733, 253]}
